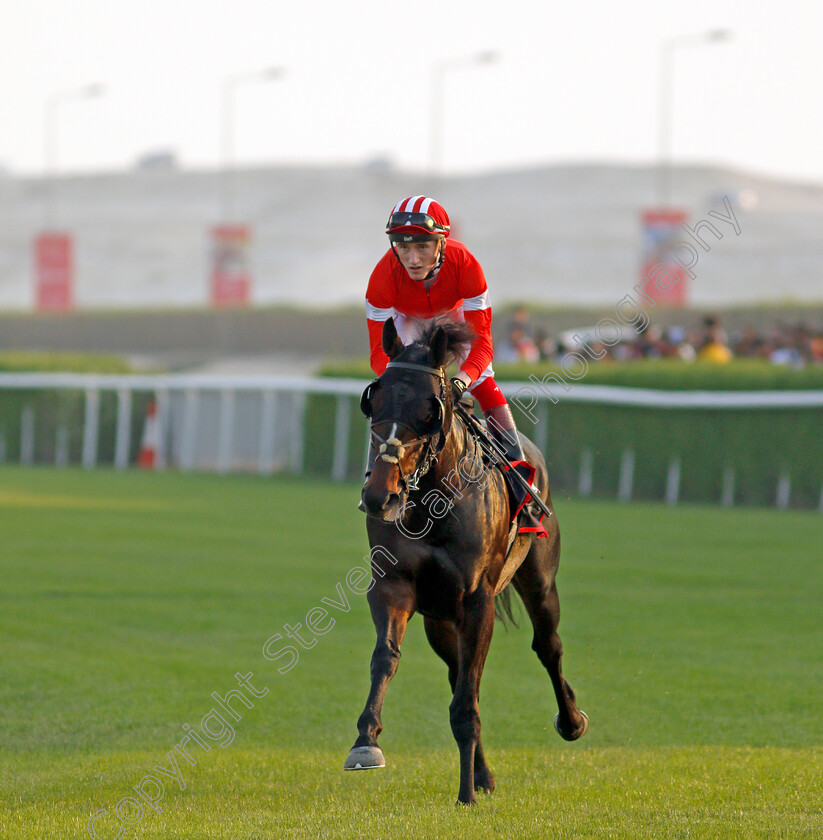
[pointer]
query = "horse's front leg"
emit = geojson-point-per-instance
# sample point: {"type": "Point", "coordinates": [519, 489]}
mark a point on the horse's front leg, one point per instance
{"type": "Point", "coordinates": [474, 634]}
{"type": "Point", "coordinates": [392, 604]}
{"type": "Point", "coordinates": [442, 636]}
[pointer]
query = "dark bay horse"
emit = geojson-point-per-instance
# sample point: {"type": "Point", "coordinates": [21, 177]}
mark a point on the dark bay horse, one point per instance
{"type": "Point", "coordinates": [440, 533]}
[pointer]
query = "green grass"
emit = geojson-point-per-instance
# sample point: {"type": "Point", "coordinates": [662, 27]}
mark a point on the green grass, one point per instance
{"type": "Point", "coordinates": [692, 638]}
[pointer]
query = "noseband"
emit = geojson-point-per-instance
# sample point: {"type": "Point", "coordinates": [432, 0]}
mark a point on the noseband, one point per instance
{"type": "Point", "coordinates": [392, 450]}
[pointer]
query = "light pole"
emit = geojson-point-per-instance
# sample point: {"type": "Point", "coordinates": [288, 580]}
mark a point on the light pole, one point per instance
{"type": "Point", "coordinates": [665, 107]}
{"type": "Point", "coordinates": [227, 129]}
{"type": "Point", "coordinates": [438, 80]}
{"type": "Point", "coordinates": [51, 138]}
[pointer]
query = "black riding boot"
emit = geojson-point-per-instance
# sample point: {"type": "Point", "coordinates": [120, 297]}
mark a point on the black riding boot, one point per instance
{"type": "Point", "coordinates": [369, 462]}
{"type": "Point", "coordinates": [501, 426]}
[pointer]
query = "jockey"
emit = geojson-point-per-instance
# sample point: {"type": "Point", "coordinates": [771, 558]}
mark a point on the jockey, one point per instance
{"type": "Point", "coordinates": [419, 279]}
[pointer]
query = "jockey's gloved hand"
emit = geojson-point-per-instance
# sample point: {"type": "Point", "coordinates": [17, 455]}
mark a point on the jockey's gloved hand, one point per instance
{"type": "Point", "coordinates": [459, 385]}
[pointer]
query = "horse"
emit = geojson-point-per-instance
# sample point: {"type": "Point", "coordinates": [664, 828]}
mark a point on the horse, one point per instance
{"type": "Point", "coordinates": [442, 531]}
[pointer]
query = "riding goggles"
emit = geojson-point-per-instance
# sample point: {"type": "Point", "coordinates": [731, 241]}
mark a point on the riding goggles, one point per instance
{"type": "Point", "coordinates": [421, 220]}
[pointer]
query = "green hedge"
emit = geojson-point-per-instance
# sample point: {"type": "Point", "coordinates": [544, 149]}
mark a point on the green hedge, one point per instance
{"type": "Point", "coordinates": [33, 362]}
{"type": "Point", "coordinates": [756, 443]}
{"type": "Point", "coordinates": [55, 408]}
{"type": "Point", "coordinates": [663, 374]}
{"type": "Point", "coordinates": [320, 428]}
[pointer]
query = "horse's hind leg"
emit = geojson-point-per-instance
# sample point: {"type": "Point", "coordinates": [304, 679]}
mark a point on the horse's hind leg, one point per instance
{"type": "Point", "coordinates": [534, 580]}
{"type": "Point", "coordinates": [442, 636]}
{"type": "Point", "coordinates": [392, 604]}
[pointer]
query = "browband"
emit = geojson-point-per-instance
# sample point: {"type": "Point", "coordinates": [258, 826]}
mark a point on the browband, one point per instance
{"type": "Point", "coordinates": [410, 366]}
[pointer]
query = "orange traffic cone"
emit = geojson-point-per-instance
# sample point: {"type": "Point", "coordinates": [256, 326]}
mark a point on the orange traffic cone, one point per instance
{"type": "Point", "coordinates": [147, 456]}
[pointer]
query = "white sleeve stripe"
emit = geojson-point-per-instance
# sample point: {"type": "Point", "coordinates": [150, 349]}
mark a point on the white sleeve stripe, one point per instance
{"type": "Point", "coordinates": [478, 302]}
{"type": "Point", "coordinates": [375, 314]}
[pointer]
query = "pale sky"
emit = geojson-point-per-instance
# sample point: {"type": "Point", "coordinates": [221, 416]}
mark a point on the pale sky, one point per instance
{"type": "Point", "coordinates": [572, 82]}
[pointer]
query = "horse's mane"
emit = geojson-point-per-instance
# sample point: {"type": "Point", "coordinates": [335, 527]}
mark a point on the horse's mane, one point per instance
{"type": "Point", "coordinates": [459, 336]}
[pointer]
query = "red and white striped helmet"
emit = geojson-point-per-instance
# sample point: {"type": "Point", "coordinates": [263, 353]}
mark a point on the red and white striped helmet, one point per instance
{"type": "Point", "coordinates": [417, 219]}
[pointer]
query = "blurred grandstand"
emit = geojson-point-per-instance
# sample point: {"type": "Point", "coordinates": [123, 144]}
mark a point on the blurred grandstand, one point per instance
{"type": "Point", "coordinates": [555, 236]}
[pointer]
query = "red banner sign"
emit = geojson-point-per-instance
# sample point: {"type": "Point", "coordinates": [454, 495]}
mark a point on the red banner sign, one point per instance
{"type": "Point", "coordinates": [54, 270]}
{"type": "Point", "coordinates": [231, 275]}
{"type": "Point", "coordinates": [664, 277]}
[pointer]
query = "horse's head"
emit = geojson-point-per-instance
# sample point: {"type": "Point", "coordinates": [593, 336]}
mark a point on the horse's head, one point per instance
{"type": "Point", "coordinates": [410, 410]}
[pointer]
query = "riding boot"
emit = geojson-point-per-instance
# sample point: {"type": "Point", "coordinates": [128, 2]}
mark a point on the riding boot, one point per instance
{"type": "Point", "coordinates": [369, 461]}
{"type": "Point", "coordinates": [501, 426]}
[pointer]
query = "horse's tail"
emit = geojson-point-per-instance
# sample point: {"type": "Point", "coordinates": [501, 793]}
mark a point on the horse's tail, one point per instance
{"type": "Point", "coordinates": [503, 608]}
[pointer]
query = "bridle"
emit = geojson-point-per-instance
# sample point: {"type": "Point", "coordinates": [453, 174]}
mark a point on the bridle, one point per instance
{"type": "Point", "coordinates": [392, 450]}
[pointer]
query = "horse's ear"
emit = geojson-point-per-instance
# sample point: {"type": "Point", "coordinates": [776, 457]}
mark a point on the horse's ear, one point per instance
{"type": "Point", "coordinates": [392, 345]}
{"type": "Point", "coordinates": [439, 346]}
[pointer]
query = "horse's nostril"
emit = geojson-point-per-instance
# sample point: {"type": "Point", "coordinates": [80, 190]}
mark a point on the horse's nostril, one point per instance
{"type": "Point", "coordinates": [378, 501]}
{"type": "Point", "coordinates": [370, 500]}
{"type": "Point", "coordinates": [374, 499]}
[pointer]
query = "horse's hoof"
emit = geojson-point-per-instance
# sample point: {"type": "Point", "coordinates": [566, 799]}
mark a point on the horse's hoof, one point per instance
{"type": "Point", "coordinates": [364, 758]}
{"type": "Point", "coordinates": [577, 733]}
{"type": "Point", "coordinates": [484, 783]}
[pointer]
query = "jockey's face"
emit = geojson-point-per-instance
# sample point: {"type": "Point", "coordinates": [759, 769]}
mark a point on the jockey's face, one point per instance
{"type": "Point", "coordinates": [418, 258]}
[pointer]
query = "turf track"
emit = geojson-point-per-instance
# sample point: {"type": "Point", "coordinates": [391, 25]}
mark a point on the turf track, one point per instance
{"type": "Point", "coordinates": [692, 636]}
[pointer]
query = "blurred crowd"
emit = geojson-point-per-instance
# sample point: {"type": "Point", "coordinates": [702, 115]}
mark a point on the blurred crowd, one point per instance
{"type": "Point", "coordinates": [795, 345]}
